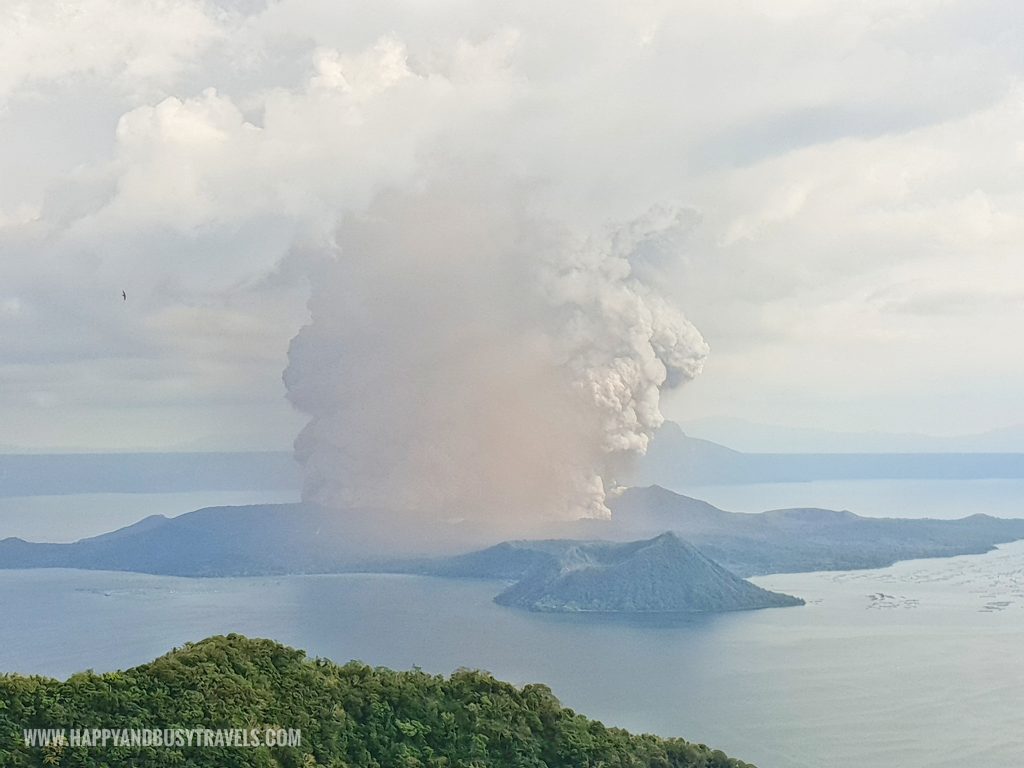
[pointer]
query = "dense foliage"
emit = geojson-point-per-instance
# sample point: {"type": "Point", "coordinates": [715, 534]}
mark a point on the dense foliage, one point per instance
{"type": "Point", "coordinates": [351, 715]}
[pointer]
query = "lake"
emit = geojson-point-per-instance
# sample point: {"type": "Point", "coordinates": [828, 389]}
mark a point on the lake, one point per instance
{"type": "Point", "coordinates": [917, 665]}
{"type": "Point", "coordinates": [872, 498]}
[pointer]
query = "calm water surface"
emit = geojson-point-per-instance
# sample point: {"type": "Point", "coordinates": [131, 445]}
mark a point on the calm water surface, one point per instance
{"type": "Point", "coordinates": [918, 665]}
{"type": "Point", "coordinates": [873, 498]}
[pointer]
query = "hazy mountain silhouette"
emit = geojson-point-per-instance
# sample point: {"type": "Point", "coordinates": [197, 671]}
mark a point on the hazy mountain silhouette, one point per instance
{"type": "Point", "coordinates": [663, 574]}
{"type": "Point", "coordinates": [675, 459]}
{"type": "Point", "coordinates": [302, 538]}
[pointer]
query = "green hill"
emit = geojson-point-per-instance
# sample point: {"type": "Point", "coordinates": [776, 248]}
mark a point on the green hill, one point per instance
{"type": "Point", "coordinates": [350, 716]}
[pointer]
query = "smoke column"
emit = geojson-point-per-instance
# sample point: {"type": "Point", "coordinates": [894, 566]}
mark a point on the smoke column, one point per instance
{"type": "Point", "coordinates": [467, 359]}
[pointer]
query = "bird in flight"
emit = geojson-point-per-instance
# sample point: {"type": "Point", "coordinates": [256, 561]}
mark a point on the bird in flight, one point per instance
{"type": "Point", "coordinates": [124, 296]}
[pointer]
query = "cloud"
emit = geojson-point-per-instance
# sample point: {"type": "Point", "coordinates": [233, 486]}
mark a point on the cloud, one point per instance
{"type": "Point", "coordinates": [137, 45]}
{"type": "Point", "coordinates": [848, 175]}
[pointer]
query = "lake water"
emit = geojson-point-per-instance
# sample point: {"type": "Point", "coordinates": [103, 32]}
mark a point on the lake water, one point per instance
{"type": "Point", "coordinates": [873, 498]}
{"type": "Point", "coordinates": [917, 665]}
{"type": "Point", "coordinates": [920, 664]}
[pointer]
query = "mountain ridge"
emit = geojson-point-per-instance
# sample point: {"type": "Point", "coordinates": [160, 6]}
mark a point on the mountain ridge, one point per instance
{"type": "Point", "coordinates": [301, 538]}
{"type": "Point", "coordinates": [757, 437]}
{"type": "Point", "coordinates": [660, 575]}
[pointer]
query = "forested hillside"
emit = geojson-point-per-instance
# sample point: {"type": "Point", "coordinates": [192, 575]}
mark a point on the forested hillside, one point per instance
{"type": "Point", "coordinates": [349, 715]}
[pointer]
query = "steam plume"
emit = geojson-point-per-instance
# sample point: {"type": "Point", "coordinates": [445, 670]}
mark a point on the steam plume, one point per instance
{"type": "Point", "coordinates": [469, 359]}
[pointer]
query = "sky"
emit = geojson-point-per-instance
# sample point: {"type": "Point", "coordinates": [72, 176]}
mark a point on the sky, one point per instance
{"type": "Point", "coordinates": [846, 176]}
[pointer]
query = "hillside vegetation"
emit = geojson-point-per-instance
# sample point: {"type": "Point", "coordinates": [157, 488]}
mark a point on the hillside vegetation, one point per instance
{"type": "Point", "coordinates": [350, 715]}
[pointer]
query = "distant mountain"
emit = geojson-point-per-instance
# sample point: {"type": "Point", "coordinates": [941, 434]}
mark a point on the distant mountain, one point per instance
{"type": "Point", "coordinates": [753, 437]}
{"type": "Point", "coordinates": [663, 574]}
{"type": "Point", "coordinates": [675, 459]}
{"type": "Point", "coordinates": [795, 540]}
{"type": "Point", "coordinates": [216, 541]}
{"type": "Point", "coordinates": [302, 538]}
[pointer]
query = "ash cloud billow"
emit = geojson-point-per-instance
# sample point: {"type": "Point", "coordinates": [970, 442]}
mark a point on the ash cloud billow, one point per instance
{"type": "Point", "coordinates": [468, 359]}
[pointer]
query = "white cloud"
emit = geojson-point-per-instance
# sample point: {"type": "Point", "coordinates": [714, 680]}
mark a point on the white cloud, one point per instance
{"type": "Point", "coordinates": [852, 171]}
{"type": "Point", "coordinates": [137, 44]}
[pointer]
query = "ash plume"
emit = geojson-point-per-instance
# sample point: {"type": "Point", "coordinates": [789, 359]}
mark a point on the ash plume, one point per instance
{"type": "Point", "coordinates": [467, 359]}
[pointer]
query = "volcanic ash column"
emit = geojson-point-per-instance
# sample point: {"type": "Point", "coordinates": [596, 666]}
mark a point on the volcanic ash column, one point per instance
{"type": "Point", "coordinates": [468, 360]}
